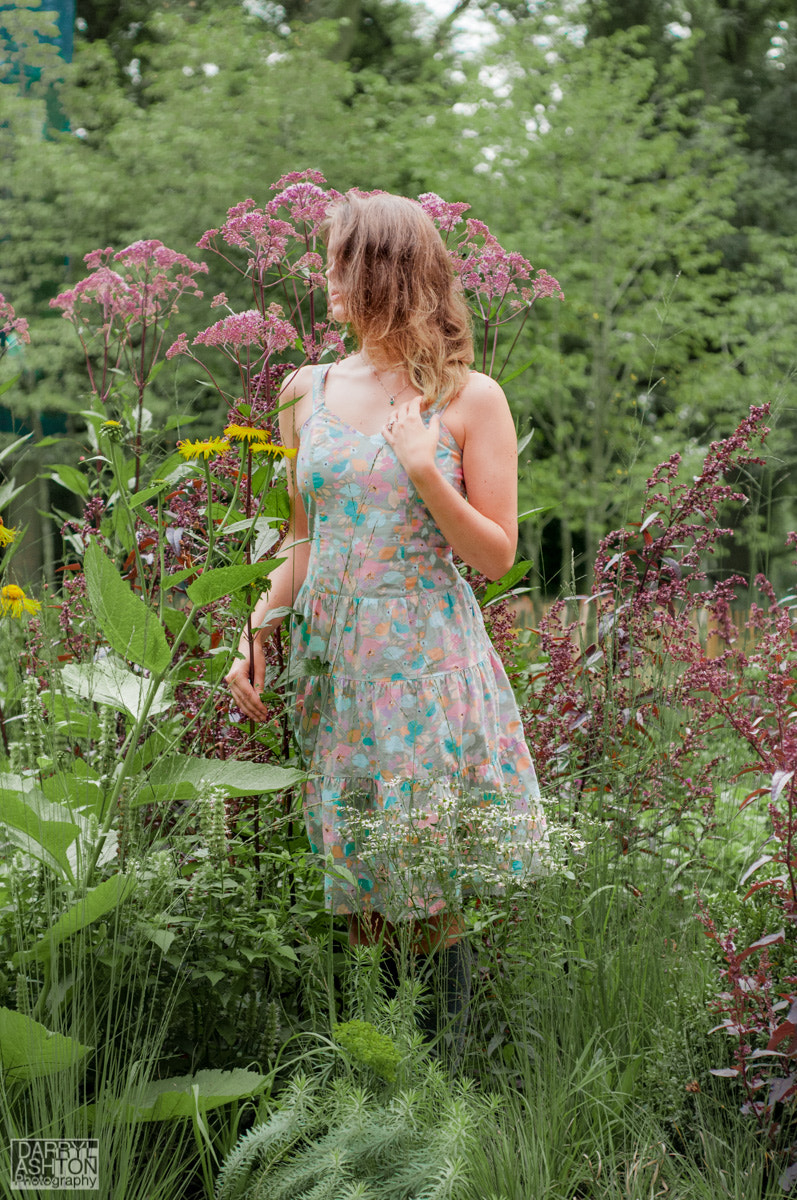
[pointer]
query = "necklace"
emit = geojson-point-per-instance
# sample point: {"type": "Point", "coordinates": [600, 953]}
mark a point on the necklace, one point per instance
{"type": "Point", "coordinates": [390, 397]}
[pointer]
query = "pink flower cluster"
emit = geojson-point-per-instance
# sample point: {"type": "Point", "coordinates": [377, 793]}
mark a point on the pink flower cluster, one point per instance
{"type": "Point", "coordinates": [485, 267]}
{"type": "Point", "coordinates": [249, 228]}
{"type": "Point", "coordinates": [305, 198]}
{"type": "Point", "coordinates": [251, 328]}
{"type": "Point", "coordinates": [146, 287]}
{"type": "Point", "coordinates": [445, 215]}
{"type": "Point", "coordinates": [11, 323]}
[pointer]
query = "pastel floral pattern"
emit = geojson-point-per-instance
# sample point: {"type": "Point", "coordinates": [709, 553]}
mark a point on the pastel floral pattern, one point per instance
{"type": "Point", "coordinates": [421, 781]}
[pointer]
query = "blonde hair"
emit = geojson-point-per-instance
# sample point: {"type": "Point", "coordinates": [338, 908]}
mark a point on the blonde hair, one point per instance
{"type": "Point", "coordinates": [402, 296]}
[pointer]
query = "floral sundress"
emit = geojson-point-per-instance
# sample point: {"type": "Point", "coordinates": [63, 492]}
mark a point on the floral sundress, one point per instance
{"type": "Point", "coordinates": [420, 780]}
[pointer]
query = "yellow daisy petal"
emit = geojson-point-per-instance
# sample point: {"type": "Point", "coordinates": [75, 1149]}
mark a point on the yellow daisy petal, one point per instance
{"type": "Point", "coordinates": [6, 535]}
{"type": "Point", "coordinates": [217, 445]}
{"type": "Point", "coordinates": [246, 433]}
{"type": "Point", "coordinates": [13, 601]}
{"type": "Point", "coordinates": [270, 448]}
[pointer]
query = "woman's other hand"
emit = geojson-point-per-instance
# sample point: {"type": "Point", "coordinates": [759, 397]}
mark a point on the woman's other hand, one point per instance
{"type": "Point", "coordinates": [413, 441]}
{"type": "Point", "coordinates": [245, 694]}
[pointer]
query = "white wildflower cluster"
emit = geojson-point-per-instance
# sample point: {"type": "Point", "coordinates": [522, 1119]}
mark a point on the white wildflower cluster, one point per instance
{"type": "Point", "coordinates": [106, 748]}
{"type": "Point", "coordinates": [212, 807]}
{"type": "Point", "coordinates": [437, 838]}
{"type": "Point", "coordinates": [32, 723]}
{"type": "Point", "coordinates": [156, 873]}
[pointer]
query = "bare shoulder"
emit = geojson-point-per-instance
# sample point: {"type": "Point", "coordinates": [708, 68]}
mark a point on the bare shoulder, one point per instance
{"type": "Point", "coordinates": [483, 393]}
{"type": "Point", "coordinates": [297, 384]}
{"type": "Point", "coordinates": [295, 403]}
{"type": "Point", "coordinates": [481, 411]}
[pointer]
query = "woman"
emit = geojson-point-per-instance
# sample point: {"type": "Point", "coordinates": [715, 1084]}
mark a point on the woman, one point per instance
{"type": "Point", "coordinates": [420, 780]}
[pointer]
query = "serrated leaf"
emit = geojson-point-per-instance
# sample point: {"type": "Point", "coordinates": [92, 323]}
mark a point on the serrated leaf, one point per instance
{"type": "Point", "coordinates": [130, 625]}
{"type": "Point", "coordinates": [225, 581]}
{"type": "Point", "coordinates": [38, 828]}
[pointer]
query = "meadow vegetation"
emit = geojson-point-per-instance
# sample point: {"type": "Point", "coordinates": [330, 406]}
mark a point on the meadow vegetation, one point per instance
{"type": "Point", "coordinates": [169, 980]}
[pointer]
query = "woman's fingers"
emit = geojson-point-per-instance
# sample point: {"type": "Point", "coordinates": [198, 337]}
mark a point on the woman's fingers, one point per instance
{"type": "Point", "coordinates": [245, 694]}
{"type": "Point", "coordinates": [412, 440]}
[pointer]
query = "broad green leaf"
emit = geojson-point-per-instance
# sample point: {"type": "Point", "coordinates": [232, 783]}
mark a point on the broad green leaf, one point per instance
{"type": "Point", "coordinates": [75, 791]}
{"type": "Point", "coordinates": [128, 623]}
{"type": "Point", "coordinates": [96, 903]}
{"type": "Point", "coordinates": [29, 1050]}
{"type": "Point", "coordinates": [38, 827]}
{"type": "Point", "coordinates": [225, 581]}
{"type": "Point", "coordinates": [70, 478]}
{"type": "Point", "coordinates": [236, 777]}
{"type": "Point", "coordinates": [513, 576]}
{"type": "Point", "coordinates": [108, 681]}
{"type": "Point", "coordinates": [185, 1095]}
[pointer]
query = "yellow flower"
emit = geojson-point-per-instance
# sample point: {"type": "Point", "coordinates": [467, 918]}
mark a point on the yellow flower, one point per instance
{"type": "Point", "coordinates": [13, 600]}
{"type": "Point", "coordinates": [6, 535]}
{"type": "Point", "coordinates": [246, 433]}
{"type": "Point", "coordinates": [270, 448]}
{"type": "Point", "coordinates": [216, 445]}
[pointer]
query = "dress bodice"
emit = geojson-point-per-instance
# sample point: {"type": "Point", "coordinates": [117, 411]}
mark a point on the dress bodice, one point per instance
{"type": "Point", "coordinates": [370, 531]}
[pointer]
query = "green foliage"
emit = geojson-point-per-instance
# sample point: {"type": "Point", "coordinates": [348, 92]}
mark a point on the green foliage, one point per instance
{"type": "Point", "coordinates": [130, 625]}
{"type": "Point", "coordinates": [368, 1047]}
{"type": "Point", "coordinates": [339, 1140]}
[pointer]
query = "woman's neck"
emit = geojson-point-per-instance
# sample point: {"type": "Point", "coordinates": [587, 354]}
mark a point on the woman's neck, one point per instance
{"type": "Point", "coordinates": [377, 359]}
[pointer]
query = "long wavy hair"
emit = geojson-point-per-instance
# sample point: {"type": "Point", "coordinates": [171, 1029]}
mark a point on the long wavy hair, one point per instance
{"type": "Point", "coordinates": [401, 294]}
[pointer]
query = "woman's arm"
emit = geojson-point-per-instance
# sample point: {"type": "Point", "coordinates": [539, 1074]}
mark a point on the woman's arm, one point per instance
{"type": "Point", "coordinates": [481, 530]}
{"type": "Point", "coordinates": [286, 579]}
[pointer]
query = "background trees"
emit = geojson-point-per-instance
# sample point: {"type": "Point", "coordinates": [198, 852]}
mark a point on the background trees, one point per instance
{"type": "Point", "coordinates": [645, 161]}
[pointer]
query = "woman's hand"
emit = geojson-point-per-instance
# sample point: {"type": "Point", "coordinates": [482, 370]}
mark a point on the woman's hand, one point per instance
{"type": "Point", "coordinates": [245, 694]}
{"type": "Point", "coordinates": [413, 442]}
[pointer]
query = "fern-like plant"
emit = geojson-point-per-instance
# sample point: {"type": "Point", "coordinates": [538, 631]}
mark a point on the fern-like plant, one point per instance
{"type": "Point", "coordinates": [339, 1141]}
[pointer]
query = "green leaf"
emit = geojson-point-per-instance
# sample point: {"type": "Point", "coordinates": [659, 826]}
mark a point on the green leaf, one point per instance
{"type": "Point", "coordinates": [236, 777]}
{"type": "Point", "coordinates": [9, 383]}
{"type": "Point", "coordinates": [505, 379]}
{"type": "Point", "coordinates": [531, 512]}
{"type": "Point", "coordinates": [128, 623]}
{"type": "Point", "coordinates": [8, 450]}
{"type": "Point", "coordinates": [29, 1050]}
{"type": "Point", "coordinates": [75, 791]}
{"type": "Point", "coordinates": [96, 903]}
{"type": "Point", "coordinates": [174, 620]}
{"type": "Point", "coordinates": [71, 479]}
{"type": "Point", "coordinates": [185, 1095]}
{"type": "Point", "coordinates": [513, 576]}
{"type": "Point", "coordinates": [224, 581]}
{"type": "Point", "coordinates": [39, 828]}
{"type": "Point", "coordinates": [147, 494]}
{"type": "Point", "coordinates": [108, 681]}
{"type": "Point", "coordinates": [8, 490]}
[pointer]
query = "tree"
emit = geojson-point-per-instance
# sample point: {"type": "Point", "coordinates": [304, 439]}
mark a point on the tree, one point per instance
{"type": "Point", "coordinates": [610, 173]}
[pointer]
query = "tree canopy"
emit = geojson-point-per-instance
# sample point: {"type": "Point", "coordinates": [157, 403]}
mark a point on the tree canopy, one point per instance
{"type": "Point", "coordinates": [646, 161]}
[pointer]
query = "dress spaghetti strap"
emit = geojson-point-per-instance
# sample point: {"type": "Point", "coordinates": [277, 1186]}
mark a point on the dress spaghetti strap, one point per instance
{"type": "Point", "coordinates": [320, 372]}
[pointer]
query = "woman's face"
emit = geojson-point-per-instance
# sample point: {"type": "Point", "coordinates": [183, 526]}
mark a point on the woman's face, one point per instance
{"type": "Point", "coordinates": [336, 300]}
